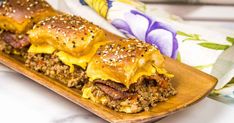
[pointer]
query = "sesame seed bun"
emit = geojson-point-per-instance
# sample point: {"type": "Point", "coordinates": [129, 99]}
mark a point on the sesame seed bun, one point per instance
{"type": "Point", "coordinates": [68, 33]}
{"type": "Point", "coordinates": [124, 61]}
{"type": "Point", "coordinates": [19, 15]}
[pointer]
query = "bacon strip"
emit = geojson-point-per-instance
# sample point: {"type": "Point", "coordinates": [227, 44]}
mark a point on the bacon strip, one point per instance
{"type": "Point", "coordinates": [16, 41]}
{"type": "Point", "coordinates": [115, 94]}
{"type": "Point", "coordinates": [117, 86]}
{"type": "Point", "coordinates": [119, 91]}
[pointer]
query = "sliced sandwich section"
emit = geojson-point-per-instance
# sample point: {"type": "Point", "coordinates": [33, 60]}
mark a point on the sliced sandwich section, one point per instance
{"type": "Point", "coordinates": [128, 76]}
{"type": "Point", "coordinates": [17, 17]}
{"type": "Point", "coordinates": [75, 39]}
{"type": "Point", "coordinates": [124, 61]}
{"type": "Point", "coordinates": [62, 46]}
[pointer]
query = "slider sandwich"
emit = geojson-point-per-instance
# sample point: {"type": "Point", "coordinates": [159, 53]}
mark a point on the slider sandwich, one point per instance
{"type": "Point", "coordinates": [62, 47]}
{"type": "Point", "coordinates": [16, 18]}
{"type": "Point", "coordinates": [126, 75]}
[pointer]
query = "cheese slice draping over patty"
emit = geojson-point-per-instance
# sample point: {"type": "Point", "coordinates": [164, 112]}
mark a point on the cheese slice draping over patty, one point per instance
{"type": "Point", "coordinates": [124, 61]}
{"type": "Point", "coordinates": [20, 15]}
{"type": "Point", "coordinates": [75, 38]}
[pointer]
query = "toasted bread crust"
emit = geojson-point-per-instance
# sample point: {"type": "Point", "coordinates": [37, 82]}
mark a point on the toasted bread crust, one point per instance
{"type": "Point", "coordinates": [19, 15]}
{"type": "Point", "coordinates": [124, 61]}
{"type": "Point", "coordinates": [68, 33]}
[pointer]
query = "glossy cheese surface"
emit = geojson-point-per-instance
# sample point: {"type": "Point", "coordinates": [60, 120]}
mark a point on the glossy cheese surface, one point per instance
{"type": "Point", "coordinates": [71, 34]}
{"type": "Point", "coordinates": [124, 61]}
{"type": "Point", "coordinates": [19, 15]}
{"type": "Point", "coordinates": [42, 48]}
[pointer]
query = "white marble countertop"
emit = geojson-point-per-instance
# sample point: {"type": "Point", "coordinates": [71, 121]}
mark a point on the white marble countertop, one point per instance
{"type": "Point", "coordinates": [24, 101]}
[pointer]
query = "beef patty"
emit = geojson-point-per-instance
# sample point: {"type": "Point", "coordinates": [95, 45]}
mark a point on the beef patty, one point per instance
{"type": "Point", "coordinates": [147, 92]}
{"type": "Point", "coordinates": [17, 41]}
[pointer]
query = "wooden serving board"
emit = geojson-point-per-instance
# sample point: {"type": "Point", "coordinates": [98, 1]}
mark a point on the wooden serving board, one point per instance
{"type": "Point", "coordinates": [192, 85]}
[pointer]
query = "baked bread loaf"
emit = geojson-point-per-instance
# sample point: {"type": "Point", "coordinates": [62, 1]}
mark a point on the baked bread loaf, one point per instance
{"type": "Point", "coordinates": [71, 35]}
{"type": "Point", "coordinates": [124, 61]}
{"type": "Point", "coordinates": [19, 15]}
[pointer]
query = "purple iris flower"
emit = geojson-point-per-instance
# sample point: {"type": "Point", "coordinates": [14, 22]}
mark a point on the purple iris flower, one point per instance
{"type": "Point", "coordinates": [136, 24]}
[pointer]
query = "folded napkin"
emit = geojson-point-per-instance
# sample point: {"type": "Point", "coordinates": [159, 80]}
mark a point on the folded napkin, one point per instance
{"type": "Point", "coordinates": [191, 45]}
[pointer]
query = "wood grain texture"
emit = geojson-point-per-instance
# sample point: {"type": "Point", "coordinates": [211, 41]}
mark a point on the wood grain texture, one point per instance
{"type": "Point", "coordinates": [192, 85]}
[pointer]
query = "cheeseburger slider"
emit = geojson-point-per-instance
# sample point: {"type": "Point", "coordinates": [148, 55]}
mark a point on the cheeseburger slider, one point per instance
{"type": "Point", "coordinates": [16, 18]}
{"type": "Point", "coordinates": [62, 47]}
{"type": "Point", "coordinates": [128, 76]}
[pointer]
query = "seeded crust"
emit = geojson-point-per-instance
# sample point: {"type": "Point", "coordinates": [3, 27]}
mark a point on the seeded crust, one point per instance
{"type": "Point", "coordinates": [122, 60]}
{"type": "Point", "coordinates": [68, 33]}
{"type": "Point", "coordinates": [20, 15]}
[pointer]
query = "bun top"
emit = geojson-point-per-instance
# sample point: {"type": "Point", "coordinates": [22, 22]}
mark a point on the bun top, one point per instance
{"type": "Point", "coordinates": [124, 61]}
{"type": "Point", "coordinates": [70, 27]}
{"type": "Point", "coordinates": [70, 34]}
{"type": "Point", "coordinates": [21, 14]}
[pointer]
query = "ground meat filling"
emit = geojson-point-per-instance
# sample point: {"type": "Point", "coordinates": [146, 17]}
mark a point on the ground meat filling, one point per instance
{"type": "Point", "coordinates": [51, 66]}
{"type": "Point", "coordinates": [147, 92]}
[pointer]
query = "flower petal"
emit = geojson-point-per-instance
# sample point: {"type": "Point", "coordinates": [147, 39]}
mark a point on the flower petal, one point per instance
{"type": "Point", "coordinates": [175, 48]}
{"type": "Point", "coordinates": [158, 25]}
{"type": "Point", "coordinates": [163, 39]}
{"type": "Point", "coordinates": [122, 25]}
{"type": "Point", "coordinates": [138, 24]}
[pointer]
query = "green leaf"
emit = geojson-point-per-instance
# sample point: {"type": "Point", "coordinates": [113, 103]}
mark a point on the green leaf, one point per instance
{"type": "Point", "coordinates": [231, 82]}
{"type": "Point", "coordinates": [178, 57]}
{"type": "Point", "coordinates": [230, 39]}
{"type": "Point", "coordinates": [183, 34]}
{"type": "Point", "coordinates": [214, 46]}
{"type": "Point", "coordinates": [193, 39]}
{"type": "Point", "coordinates": [190, 37]}
{"type": "Point", "coordinates": [200, 67]}
{"type": "Point", "coordinates": [197, 37]}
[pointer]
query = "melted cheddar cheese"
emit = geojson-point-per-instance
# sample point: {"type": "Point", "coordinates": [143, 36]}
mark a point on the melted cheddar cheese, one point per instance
{"type": "Point", "coordinates": [64, 57]}
{"type": "Point", "coordinates": [42, 48]}
{"type": "Point", "coordinates": [11, 25]}
{"type": "Point", "coordinates": [75, 39]}
{"type": "Point", "coordinates": [18, 16]}
{"type": "Point", "coordinates": [125, 62]}
{"type": "Point", "coordinates": [71, 60]}
{"type": "Point", "coordinates": [87, 93]}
